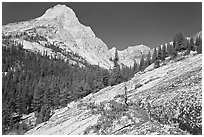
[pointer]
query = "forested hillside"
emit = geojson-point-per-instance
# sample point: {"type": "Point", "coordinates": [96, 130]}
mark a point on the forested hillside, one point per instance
{"type": "Point", "coordinates": [35, 82]}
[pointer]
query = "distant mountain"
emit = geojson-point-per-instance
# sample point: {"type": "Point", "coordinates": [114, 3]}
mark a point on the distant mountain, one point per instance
{"type": "Point", "coordinates": [59, 33]}
{"type": "Point", "coordinates": [127, 56]}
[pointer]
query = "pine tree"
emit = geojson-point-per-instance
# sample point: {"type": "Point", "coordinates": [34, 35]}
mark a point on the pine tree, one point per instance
{"type": "Point", "coordinates": [135, 68]}
{"type": "Point", "coordinates": [156, 63]}
{"type": "Point", "coordinates": [178, 42]}
{"type": "Point", "coordinates": [115, 61]}
{"type": "Point", "coordinates": [192, 45]}
{"type": "Point", "coordinates": [142, 63]}
{"type": "Point", "coordinates": [154, 56]}
{"type": "Point", "coordinates": [116, 58]}
{"type": "Point", "coordinates": [187, 52]}
{"type": "Point", "coordinates": [115, 78]}
{"type": "Point", "coordinates": [163, 52]}
{"type": "Point", "coordinates": [38, 94]}
{"type": "Point", "coordinates": [148, 60]}
{"type": "Point", "coordinates": [105, 77]}
{"type": "Point", "coordinates": [184, 44]}
{"type": "Point", "coordinates": [198, 45]}
{"type": "Point", "coordinates": [44, 114]}
{"type": "Point", "coordinates": [169, 49]}
{"type": "Point", "coordinates": [7, 119]}
{"type": "Point", "coordinates": [159, 53]}
{"type": "Point", "coordinates": [174, 53]}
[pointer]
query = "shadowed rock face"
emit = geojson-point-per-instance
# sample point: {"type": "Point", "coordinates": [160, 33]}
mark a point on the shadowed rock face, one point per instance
{"type": "Point", "coordinates": [168, 101]}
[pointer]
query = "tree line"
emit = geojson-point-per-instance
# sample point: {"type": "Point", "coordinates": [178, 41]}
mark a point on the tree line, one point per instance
{"type": "Point", "coordinates": [180, 44]}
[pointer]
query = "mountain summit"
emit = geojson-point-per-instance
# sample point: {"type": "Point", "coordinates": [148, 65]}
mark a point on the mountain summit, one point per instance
{"type": "Point", "coordinates": [60, 27]}
{"type": "Point", "coordinates": [59, 10]}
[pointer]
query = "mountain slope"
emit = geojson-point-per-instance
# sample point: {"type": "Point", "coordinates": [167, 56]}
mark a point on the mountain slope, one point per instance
{"type": "Point", "coordinates": [59, 26]}
{"type": "Point", "coordinates": [160, 101]}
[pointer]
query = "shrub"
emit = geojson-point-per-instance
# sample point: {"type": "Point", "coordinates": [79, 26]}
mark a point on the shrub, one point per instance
{"type": "Point", "coordinates": [156, 64]}
{"type": "Point", "coordinates": [107, 117]}
{"type": "Point", "coordinates": [187, 52]}
{"type": "Point", "coordinates": [138, 86]}
{"type": "Point", "coordinates": [180, 58]}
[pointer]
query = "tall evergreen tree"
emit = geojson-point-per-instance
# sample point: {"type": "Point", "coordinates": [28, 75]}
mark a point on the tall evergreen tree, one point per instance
{"type": "Point", "coordinates": [115, 61]}
{"type": "Point", "coordinates": [115, 78]}
{"type": "Point", "coordinates": [38, 94]}
{"type": "Point", "coordinates": [178, 42]}
{"type": "Point", "coordinates": [159, 53]}
{"type": "Point", "coordinates": [116, 58]}
{"type": "Point", "coordinates": [187, 52]}
{"type": "Point", "coordinates": [198, 45]}
{"type": "Point", "coordinates": [192, 45]}
{"type": "Point", "coordinates": [156, 63]}
{"type": "Point", "coordinates": [184, 44]}
{"type": "Point", "coordinates": [135, 67]}
{"type": "Point", "coordinates": [154, 56]}
{"type": "Point", "coordinates": [148, 60]}
{"type": "Point", "coordinates": [174, 53]}
{"type": "Point", "coordinates": [169, 49]}
{"type": "Point", "coordinates": [142, 63]}
{"type": "Point", "coordinates": [163, 52]}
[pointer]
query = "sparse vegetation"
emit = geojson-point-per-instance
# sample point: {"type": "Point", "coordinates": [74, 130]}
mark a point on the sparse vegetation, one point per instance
{"type": "Point", "coordinates": [110, 111]}
{"type": "Point", "coordinates": [184, 109]}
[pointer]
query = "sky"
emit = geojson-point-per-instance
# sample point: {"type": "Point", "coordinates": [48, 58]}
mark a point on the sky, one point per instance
{"type": "Point", "coordinates": [121, 24]}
